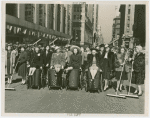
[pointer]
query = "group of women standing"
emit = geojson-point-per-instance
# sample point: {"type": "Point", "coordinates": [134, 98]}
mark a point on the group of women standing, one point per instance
{"type": "Point", "coordinates": [115, 62]}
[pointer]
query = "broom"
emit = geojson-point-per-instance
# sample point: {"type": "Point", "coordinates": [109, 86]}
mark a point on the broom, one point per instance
{"type": "Point", "coordinates": [119, 96]}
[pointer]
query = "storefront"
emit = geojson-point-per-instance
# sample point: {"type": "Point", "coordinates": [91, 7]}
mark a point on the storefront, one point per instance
{"type": "Point", "coordinates": [25, 35]}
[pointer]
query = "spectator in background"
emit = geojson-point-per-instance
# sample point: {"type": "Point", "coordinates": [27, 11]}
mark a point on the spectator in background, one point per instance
{"type": "Point", "coordinates": [9, 63]}
{"type": "Point", "coordinates": [22, 62]}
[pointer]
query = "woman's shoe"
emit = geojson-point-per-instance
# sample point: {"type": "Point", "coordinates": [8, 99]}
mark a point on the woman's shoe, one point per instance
{"type": "Point", "coordinates": [120, 90]}
{"type": "Point", "coordinates": [136, 92]}
{"type": "Point", "coordinates": [105, 88]}
{"type": "Point", "coordinates": [140, 93]}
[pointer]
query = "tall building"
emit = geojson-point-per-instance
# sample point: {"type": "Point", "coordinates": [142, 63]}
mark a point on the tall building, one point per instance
{"type": "Point", "coordinates": [26, 23]}
{"type": "Point", "coordinates": [139, 27]}
{"type": "Point", "coordinates": [122, 22]}
{"type": "Point", "coordinates": [100, 39]}
{"type": "Point", "coordinates": [132, 25]}
{"type": "Point", "coordinates": [95, 18]}
{"type": "Point", "coordinates": [84, 23]}
{"type": "Point", "coordinates": [128, 26]}
{"type": "Point", "coordinates": [116, 30]}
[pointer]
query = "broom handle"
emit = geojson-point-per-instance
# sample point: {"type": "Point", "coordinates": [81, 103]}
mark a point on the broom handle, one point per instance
{"type": "Point", "coordinates": [131, 74]}
{"type": "Point", "coordinates": [16, 66]}
{"type": "Point", "coordinates": [130, 79]}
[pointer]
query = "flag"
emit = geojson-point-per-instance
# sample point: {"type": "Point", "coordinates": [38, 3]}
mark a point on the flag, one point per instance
{"type": "Point", "coordinates": [7, 27]}
{"type": "Point", "coordinates": [15, 30]}
{"type": "Point", "coordinates": [18, 29]}
{"type": "Point", "coordinates": [25, 31]}
{"type": "Point", "coordinates": [33, 33]}
{"type": "Point", "coordinates": [38, 34]}
{"type": "Point", "coordinates": [49, 36]}
{"type": "Point", "coordinates": [10, 28]}
{"type": "Point", "coordinates": [29, 32]}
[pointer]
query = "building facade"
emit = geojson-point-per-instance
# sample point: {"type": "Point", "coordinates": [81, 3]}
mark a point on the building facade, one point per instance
{"type": "Point", "coordinates": [116, 30]}
{"type": "Point", "coordinates": [132, 25]}
{"type": "Point", "coordinates": [84, 22]}
{"type": "Point", "coordinates": [128, 26]}
{"type": "Point", "coordinates": [139, 27]}
{"type": "Point", "coordinates": [27, 23]}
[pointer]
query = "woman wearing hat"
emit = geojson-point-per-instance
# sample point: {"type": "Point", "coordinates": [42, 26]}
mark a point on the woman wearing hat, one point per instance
{"type": "Point", "coordinates": [46, 60]}
{"type": "Point", "coordinates": [58, 60]}
{"type": "Point", "coordinates": [22, 61]}
{"type": "Point", "coordinates": [106, 66]}
{"type": "Point", "coordinates": [139, 70]}
{"type": "Point", "coordinates": [75, 59]}
{"type": "Point", "coordinates": [119, 68]}
{"type": "Point", "coordinates": [93, 63]}
{"type": "Point", "coordinates": [36, 61]}
{"type": "Point", "coordinates": [14, 56]}
{"type": "Point", "coordinates": [9, 63]}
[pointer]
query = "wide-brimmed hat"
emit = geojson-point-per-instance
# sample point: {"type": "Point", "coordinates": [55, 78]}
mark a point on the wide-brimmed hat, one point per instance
{"type": "Point", "coordinates": [102, 45]}
{"type": "Point", "coordinates": [67, 46]}
{"type": "Point", "coordinates": [93, 49]}
{"type": "Point", "coordinates": [75, 47]}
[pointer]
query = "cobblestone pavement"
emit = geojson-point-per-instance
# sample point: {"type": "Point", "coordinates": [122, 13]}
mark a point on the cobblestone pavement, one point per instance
{"type": "Point", "coordinates": [71, 101]}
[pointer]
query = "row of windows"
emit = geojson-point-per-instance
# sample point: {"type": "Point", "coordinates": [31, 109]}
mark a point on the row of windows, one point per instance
{"type": "Point", "coordinates": [77, 9]}
{"type": "Point", "coordinates": [12, 9]}
{"type": "Point", "coordinates": [77, 17]}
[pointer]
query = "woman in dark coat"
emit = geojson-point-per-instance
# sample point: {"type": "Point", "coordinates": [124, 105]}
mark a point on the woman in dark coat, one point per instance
{"type": "Point", "coordinates": [46, 60]}
{"type": "Point", "coordinates": [139, 70]}
{"type": "Point", "coordinates": [36, 61]}
{"type": "Point", "coordinates": [106, 66]}
{"type": "Point", "coordinates": [75, 59]}
{"type": "Point", "coordinates": [22, 61]}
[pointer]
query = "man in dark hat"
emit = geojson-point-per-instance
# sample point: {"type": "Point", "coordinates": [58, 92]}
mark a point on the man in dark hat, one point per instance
{"type": "Point", "coordinates": [93, 62]}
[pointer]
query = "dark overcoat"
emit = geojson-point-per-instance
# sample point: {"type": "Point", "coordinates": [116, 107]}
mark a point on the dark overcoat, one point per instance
{"type": "Point", "coordinates": [75, 61]}
{"type": "Point", "coordinates": [90, 61]}
{"type": "Point", "coordinates": [22, 70]}
{"type": "Point", "coordinates": [37, 60]}
{"type": "Point", "coordinates": [139, 69]}
{"type": "Point", "coordinates": [46, 58]}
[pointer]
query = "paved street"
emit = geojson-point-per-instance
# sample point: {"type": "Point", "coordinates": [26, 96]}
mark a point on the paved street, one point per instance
{"type": "Point", "coordinates": [71, 101]}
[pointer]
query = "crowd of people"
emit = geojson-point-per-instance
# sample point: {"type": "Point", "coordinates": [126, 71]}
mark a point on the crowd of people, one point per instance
{"type": "Point", "coordinates": [114, 62]}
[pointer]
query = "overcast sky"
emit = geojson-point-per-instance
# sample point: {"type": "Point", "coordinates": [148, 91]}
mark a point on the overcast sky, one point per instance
{"type": "Point", "coordinates": [106, 14]}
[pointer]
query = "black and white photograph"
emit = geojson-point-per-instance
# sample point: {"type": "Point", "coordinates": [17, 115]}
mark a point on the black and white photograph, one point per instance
{"type": "Point", "coordinates": [75, 58]}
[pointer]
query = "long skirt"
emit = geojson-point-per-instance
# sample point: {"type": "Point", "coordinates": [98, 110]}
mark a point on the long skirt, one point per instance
{"type": "Point", "coordinates": [22, 70]}
{"type": "Point", "coordinates": [106, 70]}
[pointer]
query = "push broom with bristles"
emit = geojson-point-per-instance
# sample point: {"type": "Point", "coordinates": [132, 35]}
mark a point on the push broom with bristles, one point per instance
{"type": "Point", "coordinates": [116, 95]}
{"type": "Point", "coordinates": [128, 95]}
{"type": "Point", "coordinates": [11, 89]}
